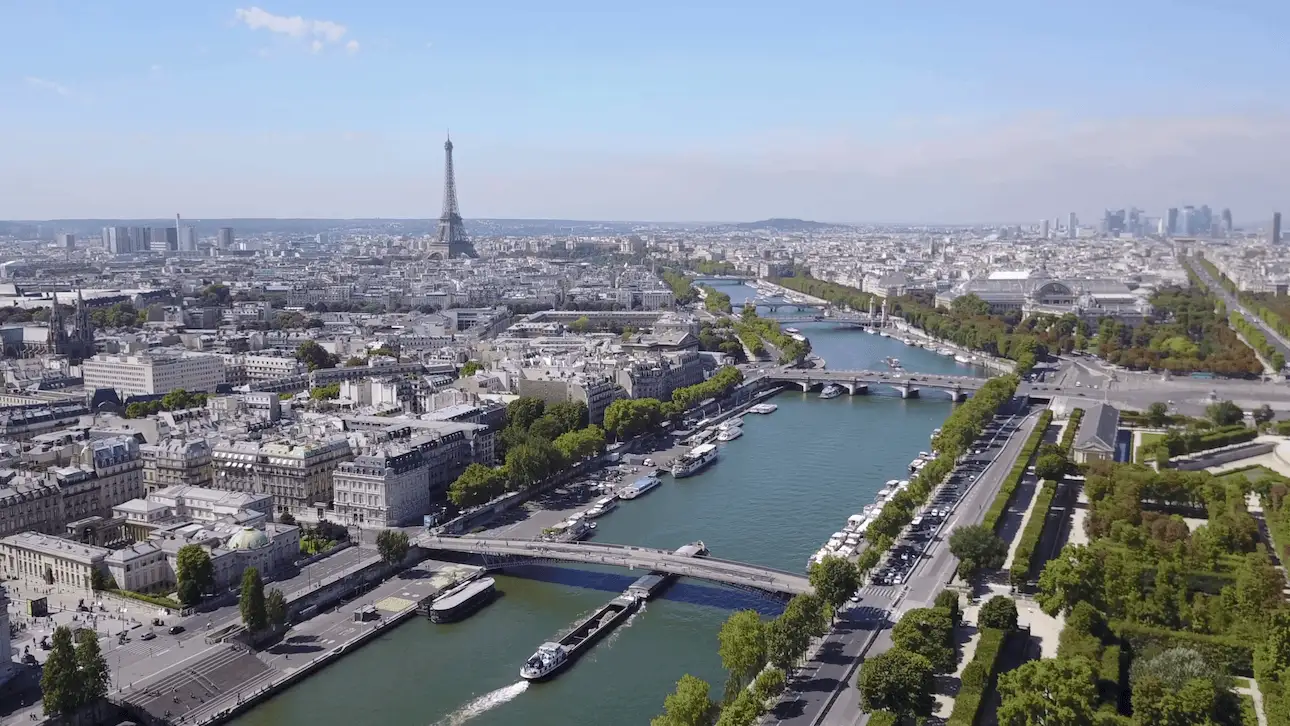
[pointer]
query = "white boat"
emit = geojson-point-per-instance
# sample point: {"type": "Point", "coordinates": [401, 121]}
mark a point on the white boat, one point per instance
{"type": "Point", "coordinates": [962, 359]}
{"type": "Point", "coordinates": [945, 352]}
{"type": "Point", "coordinates": [730, 434]}
{"type": "Point", "coordinates": [733, 423]}
{"type": "Point", "coordinates": [693, 461]}
{"type": "Point", "coordinates": [602, 507]}
{"type": "Point", "coordinates": [831, 391]}
{"type": "Point", "coordinates": [764, 408]}
{"type": "Point", "coordinates": [884, 334]}
{"type": "Point", "coordinates": [639, 487]}
{"type": "Point", "coordinates": [871, 330]}
{"type": "Point", "coordinates": [791, 330]}
{"type": "Point", "coordinates": [549, 658]}
{"type": "Point", "coordinates": [935, 433]}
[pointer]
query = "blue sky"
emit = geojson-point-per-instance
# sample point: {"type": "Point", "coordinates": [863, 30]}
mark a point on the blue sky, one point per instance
{"type": "Point", "coordinates": [932, 110]}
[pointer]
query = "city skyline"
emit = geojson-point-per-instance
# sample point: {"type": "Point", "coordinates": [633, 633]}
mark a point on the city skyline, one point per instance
{"type": "Point", "coordinates": [932, 115]}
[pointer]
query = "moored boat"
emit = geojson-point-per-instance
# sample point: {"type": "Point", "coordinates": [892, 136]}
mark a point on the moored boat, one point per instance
{"type": "Point", "coordinates": [694, 460]}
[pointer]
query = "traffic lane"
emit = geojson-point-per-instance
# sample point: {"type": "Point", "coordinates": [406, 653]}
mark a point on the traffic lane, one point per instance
{"type": "Point", "coordinates": [832, 670]}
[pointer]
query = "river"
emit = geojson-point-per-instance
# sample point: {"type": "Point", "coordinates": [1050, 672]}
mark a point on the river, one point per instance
{"type": "Point", "coordinates": [773, 498]}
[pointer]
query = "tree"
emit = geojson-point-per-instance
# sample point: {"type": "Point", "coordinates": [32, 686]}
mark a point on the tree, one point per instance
{"type": "Point", "coordinates": [523, 411]}
{"type": "Point", "coordinates": [287, 518]}
{"type": "Point", "coordinates": [571, 414]}
{"type": "Point", "coordinates": [1051, 466]}
{"type": "Point", "coordinates": [1074, 575]}
{"type": "Point", "coordinates": [100, 580]}
{"type": "Point", "coordinates": [251, 603]}
{"type": "Point", "coordinates": [581, 325]}
{"type": "Point", "coordinates": [325, 393]}
{"type": "Point", "coordinates": [314, 356]}
{"type": "Point", "coordinates": [92, 674]}
{"type": "Point", "coordinates": [998, 612]}
{"type": "Point", "coordinates": [580, 444]}
{"type": "Point", "coordinates": [531, 462]}
{"type": "Point", "coordinates": [355, 361]}
{"type": "Point", "coordinates": [627, 417]}
{"type": "Point", "coordinates": [476, 485]}
{"type": "Point", "coordinates": [688, 705]}
{"type": "Point", "coordinates": [392, 544]}
{"type": "Point", "coordinates": [471, 367]}
{"type": "Point", "coordinates": [898, 681]}
{"type": "Point", "coordinates": [977, 547]}
{"type": "Point", "coordinates": [1263, 414]}
{"type": "Point", "coordinates": [1195, 701]}
{"type": "Point", "coordinates": [275, 607]}
{"type": "Point", "coordinates": [60, 690]}
{"type": "Point", "coordinates": [1048, 691]}
{"type": "Point", "coordinates": [835, 580]}
{"type": "Point", "coordinates": [742, 647]}
{"type": "Point", "coordinates": [1157, 414]}
{"type": "Point", "coordinates": [1175, 667]}
{"type": "Point", "coordinates": [928, 632]}
{"type": "Point", "coordinates": [1224, 413]}
{"type": "Point", "coordinates": [194, 573]}
{"type": "Point", "coordinates": [547, 427]}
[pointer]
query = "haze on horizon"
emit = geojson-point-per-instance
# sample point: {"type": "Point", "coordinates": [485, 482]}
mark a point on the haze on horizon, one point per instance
{"type": "Point", "coordinates": [933, 111]}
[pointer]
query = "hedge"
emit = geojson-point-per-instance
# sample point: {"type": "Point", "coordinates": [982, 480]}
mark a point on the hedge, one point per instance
{"type": "Point", "coordinates": [1009, 487]}
{"type": "Point", "coordinates": [1072, 427]}
{"type": "Point", "coordinates": [1232, 654]}
{"type": "Point", "coordinates": [1218, 438]}
{"type": "Point", "coordinates": [975, 685]}
{"type": "Point", "coordinates": [164, 602]}
{"type": "Point", "coordinates": [1022, 559]}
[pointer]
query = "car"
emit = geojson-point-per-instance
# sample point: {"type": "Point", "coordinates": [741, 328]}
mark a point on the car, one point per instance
{"type": "Point", "coordinates": [148, 635]}
{"type": "Point", "coordinates": [158, 622]}
{"type": "Point", "coordinates": [176, 629]}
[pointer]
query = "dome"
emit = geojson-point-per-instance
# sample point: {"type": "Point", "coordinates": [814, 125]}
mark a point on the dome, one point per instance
{"type": "Point", "coordinates": [249, 538]}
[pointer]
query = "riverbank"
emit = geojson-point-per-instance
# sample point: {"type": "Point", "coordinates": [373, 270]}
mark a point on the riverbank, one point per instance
{"type": "Point", "coordinates": [985, 360]}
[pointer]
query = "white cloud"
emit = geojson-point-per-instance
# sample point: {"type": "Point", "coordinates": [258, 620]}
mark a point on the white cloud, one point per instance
{"type": "Point", "coordinates": [49, 85]}
{"type": "Point", "coordinates": [319, 32]}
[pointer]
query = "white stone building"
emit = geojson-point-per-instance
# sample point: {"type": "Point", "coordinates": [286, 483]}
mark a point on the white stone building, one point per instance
{"type": "Point", "coordinates": [145, 374]}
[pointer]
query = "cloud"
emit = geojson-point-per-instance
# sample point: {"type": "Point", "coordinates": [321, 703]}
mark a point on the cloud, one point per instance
{"type": "Point", "coordinates": [320, 33]}
{"type": "Point", "coordinates": [49, 85]}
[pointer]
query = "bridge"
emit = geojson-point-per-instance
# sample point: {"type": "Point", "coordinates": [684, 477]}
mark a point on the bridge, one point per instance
{"type": "Point", "coordinates": [908, 384]}
{"type": "Point", "coordinates": [828, 316]}
{"type": "Point", "coordinates": [773, 304]}
{"type": "Point", "coordinates": [499, 553]}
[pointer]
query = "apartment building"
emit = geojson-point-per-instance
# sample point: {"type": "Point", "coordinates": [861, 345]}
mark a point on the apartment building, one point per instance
{"type": "Point", "coordinates": [176, 462]}
{"type": "Point", "coordinates": [248, 368]}
{"type": "Point", "coordinates": [30, 503]}
{"type": "Point", "coordinates": [658, 376]}
{"type": "Point", "coordinates": [383, 488]}
{"type": "Point", "coordinates": [145, 375]}
{"type": "Point", "coordinates": [296, 475]}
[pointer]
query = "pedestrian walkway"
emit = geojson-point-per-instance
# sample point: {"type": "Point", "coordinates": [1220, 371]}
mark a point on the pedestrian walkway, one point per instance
{"type": "Point", "coordinates": [1251, 689]}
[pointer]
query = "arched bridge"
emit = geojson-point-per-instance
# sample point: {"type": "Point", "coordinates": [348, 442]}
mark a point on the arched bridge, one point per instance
{"type": "Point", "coordinates": [727, 572]}
{"type": "Point", "coordinates": [859, 381]}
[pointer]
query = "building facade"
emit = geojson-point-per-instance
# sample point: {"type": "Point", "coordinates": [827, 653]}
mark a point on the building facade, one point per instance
{"type": "Point", "coordinates": [145, 375]}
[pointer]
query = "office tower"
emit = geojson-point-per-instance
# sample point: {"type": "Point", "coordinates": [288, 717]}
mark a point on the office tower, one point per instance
{"type": "Point", "coordinates": [451, 240]}
{"type": "Point", "coordinates": [187, 239]}
{"type": "Point", "coordinates": [1072, 226]}
{"type": "Point", "coordinates": [1043, 229]}
{"type": "Point", "coordinates": [1276, 229]}
{"type": "Point", "coordinates": [1134, 223]}
{"type": "Point", "coordinates": [1162, 227]}
{"type": "Point", "coordinates": [116, 240]}
{"type": "Point", "coordinates": [1171, 221]}
{"type": "Point", "coordinates": [1227, 221]}
{"type": "Point", "coordinates": [140, 239]}
{"type": "Point", "coordinates": [1113, 222]}
{"type": "Point", "coordinates": [67, 240]}
{"type": "Point", "coordinates": [225, 238]}
{"type": "Point", "coordinates": [1187, 221]}
{"type": "Point", "coordinates": [1204, 221]}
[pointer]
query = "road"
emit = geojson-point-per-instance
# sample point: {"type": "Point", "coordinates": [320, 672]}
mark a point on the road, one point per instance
{"type": "Point", "coordinates": [1276, 339]}
{"type": "Point", "coordinates": [824, 691]}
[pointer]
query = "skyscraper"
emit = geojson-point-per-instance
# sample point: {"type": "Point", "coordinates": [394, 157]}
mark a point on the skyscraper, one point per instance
{"type": "Point", "coordinates": [187, 239]}
{"type": "Point", "coordinates": [1276, 229]}
{"type": "Point", "coordinates": [116, 240]}
{"type": "Point", "coordinates": [1227, 221]}
{"type": "Point", "coordinates": [1171, 221]}
{"type": "Point", "coordinates": [225, 238]}
{"type": "Point", "coordinates": [452, 240]}
{"type": "Point", "coordinates": [1043, 229]}
{"type": "Point", "coordinates": [67, 240]}
{"type": "Point", "coordinates": [1072, 226]}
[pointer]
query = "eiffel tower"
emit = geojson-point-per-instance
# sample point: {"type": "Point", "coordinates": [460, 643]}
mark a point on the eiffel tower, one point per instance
{"type": "Point", "coordinates": [452, 240]}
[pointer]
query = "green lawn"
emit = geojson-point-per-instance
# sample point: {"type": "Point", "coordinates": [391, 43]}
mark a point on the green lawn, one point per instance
{"type": "Point", "coordinates": [1146, 442]}
{"type": "Point", "coordinates": [1252, 474]}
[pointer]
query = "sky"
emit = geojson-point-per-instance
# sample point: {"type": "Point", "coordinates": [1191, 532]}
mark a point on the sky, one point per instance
{"type": "Point", "coordinates": [920, 111]}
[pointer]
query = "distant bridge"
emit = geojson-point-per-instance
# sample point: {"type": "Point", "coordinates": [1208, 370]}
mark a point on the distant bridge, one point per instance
{"type": "Point", "coordinates": [908, 384]}
{"type": "Point", "coordinates": [498, 553]}
{"type": "Point", "coordinates": [828, 316]}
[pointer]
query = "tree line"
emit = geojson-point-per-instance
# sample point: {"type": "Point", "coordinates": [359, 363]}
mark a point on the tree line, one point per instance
{"type": "Point", "coordinates": [176, 400]}
{"type": "Point", "coordinates": [1186, 334]}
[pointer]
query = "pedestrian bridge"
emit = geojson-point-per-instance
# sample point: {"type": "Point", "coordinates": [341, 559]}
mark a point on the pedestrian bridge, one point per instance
{"type": "Point", "coordinates": [738, 574]}
{"type": "Point", "coordinates": [908, 384]}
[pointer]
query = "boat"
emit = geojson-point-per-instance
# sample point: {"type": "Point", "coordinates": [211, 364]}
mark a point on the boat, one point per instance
{"type": "Point", "coordinates": [791, 330]}
{"type": "Point", "coordinates": [602, 507]}
{"type": "Point", "coordinates": [694, 460]}
{"type": "Point", "coordinates": [550, 658]}
{"type": "Point", "coordinates": [764, 408]}
{"type": "Point", "coordinates": [884, 334]}
{"type": "Point", "coordinates": [463, 600]}
{"type": "Point", "coordinates": [962, 359]}
{"type": "Point", "coordinates": [733, 423]}
{"type": "Point", "coordinates": [730, 434]}
{"type": "Point", "coordinates": [892, 362]}
{"type": "Point", "coordinates": [945, 352]}
{"type": "Point", "coordinates": [639, 487]}
{"type": "Point", "coordinates": [935, 433]}
{"type": "Point", "coordinates": [831, 391]}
